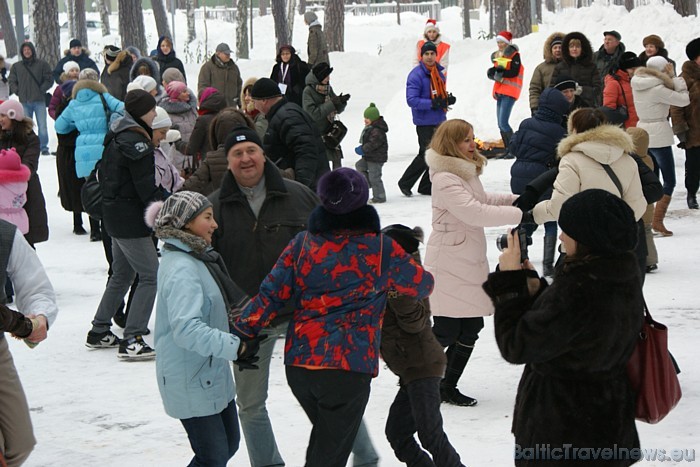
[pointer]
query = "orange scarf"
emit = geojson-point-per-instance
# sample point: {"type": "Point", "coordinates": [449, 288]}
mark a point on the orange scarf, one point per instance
{"type": "Point", "coordinates": [437, 84]}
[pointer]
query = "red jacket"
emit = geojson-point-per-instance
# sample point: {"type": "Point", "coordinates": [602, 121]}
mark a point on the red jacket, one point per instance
{"type": "Point", "coordinates": [617, 92]}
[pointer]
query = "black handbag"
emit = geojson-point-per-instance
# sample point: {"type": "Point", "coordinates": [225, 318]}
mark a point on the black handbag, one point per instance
{"type": "Point", "coordinates": [91, 194]}
{"type": "Point", "coordinates": [335, 135]}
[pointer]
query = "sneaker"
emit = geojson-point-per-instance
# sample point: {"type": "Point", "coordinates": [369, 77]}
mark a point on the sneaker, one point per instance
{"type": "Point", "coordinates": [135, 349]}
{"type": "Point", "coordinates": [101, 340]}
{"type": "Point", "coordinates": [45, 152]}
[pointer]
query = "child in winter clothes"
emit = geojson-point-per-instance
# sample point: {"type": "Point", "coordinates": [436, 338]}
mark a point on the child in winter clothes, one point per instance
{"type": "Point", "coordinates": [13, 189]}
{"type": "Point", "coordinates": [411, 351]}
{"type": "Point", "coordinates": [192, 328]}
{"type": "Point", "coordinates": [181, 105]}
{"type": "Point", "coordinates": [374, 150]}
{"type": "Point", "coordinates": [167, 176]}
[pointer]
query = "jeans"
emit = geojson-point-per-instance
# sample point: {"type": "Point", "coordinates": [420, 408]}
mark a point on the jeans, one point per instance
{"type": "Point", "coordinates": [334, 401]}
{"type": "Point", "coordinates": [418, 168]}
{"type": "Point", "coordinates": [37, 111]}
{"type": "Point", "coordinates": [214, 438]}
{"type": "Point", "coordinates": [130, 256]}
{"type": "Point", "coordinates": [692, 170]}
{"type": "Point", "coordinates": [504, 106]}
{"type": "Point", "coordinates": [416, 408]}
{"type": "Point", "coordinates": [663, 160]}
{"type": "Point", "coordinates": [373, 173]}
{"type": "Point", "coordinates": [464, 331]}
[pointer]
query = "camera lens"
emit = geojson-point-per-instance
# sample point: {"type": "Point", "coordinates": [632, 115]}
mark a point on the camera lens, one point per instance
{"type": "Point", "coordinates": [502, 242]}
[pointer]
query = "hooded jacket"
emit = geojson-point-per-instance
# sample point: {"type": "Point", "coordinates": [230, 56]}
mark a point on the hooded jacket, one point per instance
{"type": "Point", "coordinates": [375, 146]}
{"type": "Point", "coordinates": [152, 67]}
{"type": "Point", "coordinates": [293, 74]}
{"type": "Point", "coordinates": [581, 156]}
{"type": "Point", "coordinates": [317, 47]}
{"type": "Point", "coordinates": [83, 60]}
{"type": "Point", "coordinates": [13, 195]}
{"type": "Point", "coordinates": [654, 93]}
{"type": "Point", "coordinates": [686, 120]}
{"type": "Point", "coordinates": [86, 113]}
{"type": "Point", "coordinates": [115, 76]}
{"type": "Point", "coordinates": [582, 69]}
{"type": "Point", "coordinates": [456, 251]}
{"type": "Point", "coordinates": [24, 75]}
{"type": "Point", "coordinates": [418, 97]}
{"type": "Point", "coordinates": [225, 77]}
{"type": "Point", "coordinates": [542, 75]}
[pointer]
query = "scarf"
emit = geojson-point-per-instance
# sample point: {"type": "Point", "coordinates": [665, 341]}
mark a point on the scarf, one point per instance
{"type": "Point", "coordinates": [437, 84]}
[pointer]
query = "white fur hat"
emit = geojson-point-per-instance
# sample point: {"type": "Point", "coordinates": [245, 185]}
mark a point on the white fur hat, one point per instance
{"type": "Point", "coordinates": [657, 62]}
{"type": "Point", "coordinates": [162, 119]}
{"type": "Point", "coordinates": [147, 83]}
{"type": "Point", "coordinates": [69, 65]}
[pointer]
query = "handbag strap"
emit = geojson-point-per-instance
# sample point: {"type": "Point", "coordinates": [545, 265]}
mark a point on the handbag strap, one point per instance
{"type": "Point", "coordinates": [613, 177]}
{"type": "Point", "coordinates": [108, 112]}
{"type": "Point", "coordinates": [31, 74]}
{"type": "Point", "coordinates": [619, 83]}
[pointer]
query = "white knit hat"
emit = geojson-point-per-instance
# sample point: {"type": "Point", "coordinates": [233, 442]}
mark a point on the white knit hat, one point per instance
{"type": "Point", "coordinates": [657, 62]}
{"type": "Point", "coordinates": [69, 65]}
{"type": "Point", "coordinates": [147, 83]}
{"type": "Point", "coordinates": [162, 119]}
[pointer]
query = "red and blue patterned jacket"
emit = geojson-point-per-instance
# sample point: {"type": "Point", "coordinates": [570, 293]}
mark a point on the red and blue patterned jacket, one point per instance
{"type": "Point", "coordinates": [339, 283]}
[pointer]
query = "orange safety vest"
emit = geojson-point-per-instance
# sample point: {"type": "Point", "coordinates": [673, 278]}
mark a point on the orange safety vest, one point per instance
{"type": "Point", "coordinates": [508, 86]}
{"type": "Point", "coordinates": [442, 48]}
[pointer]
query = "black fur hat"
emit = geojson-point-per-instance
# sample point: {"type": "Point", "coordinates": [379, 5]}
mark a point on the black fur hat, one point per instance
{"type": "Point", "coordinates": [406, 237]}
{"type": "Point", "coordinates": [692, 50]}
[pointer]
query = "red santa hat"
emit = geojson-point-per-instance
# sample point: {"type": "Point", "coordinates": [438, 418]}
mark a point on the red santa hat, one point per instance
{"type": "Point", "coordinates": [504, 36]}
{"type": "Point", "coordinates": [430, 25]}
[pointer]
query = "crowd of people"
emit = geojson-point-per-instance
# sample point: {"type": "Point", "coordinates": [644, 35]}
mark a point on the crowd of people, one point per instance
{"type": "Point", "coordinates": [262, 232]}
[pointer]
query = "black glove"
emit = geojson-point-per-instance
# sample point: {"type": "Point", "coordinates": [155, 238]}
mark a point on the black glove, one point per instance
{"type": "Point", "coordinates": [681, 145]}
{"type": "Point", "coordinates": [438, 103]}
{"type": "Point", "coordinates": [491, 73]}
{"type": "Point", "coordinates": [527, 200]}
{"type": "Point", "coordinates": [336, 101]}
{"type": "Point", "coordinates": [344, 98]}
{"type": "Point", "coordinates": [247, 353]}
{"type": "Point", "coordinates": [451, 99]}
{"type": "Point", "coordinates": [527, 218]}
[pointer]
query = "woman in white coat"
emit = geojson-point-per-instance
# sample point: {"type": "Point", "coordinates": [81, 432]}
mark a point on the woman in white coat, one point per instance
{"type": "Point", "coordinates": [655, 90]}
{"type": "Point", "coordinates": [456, 250]}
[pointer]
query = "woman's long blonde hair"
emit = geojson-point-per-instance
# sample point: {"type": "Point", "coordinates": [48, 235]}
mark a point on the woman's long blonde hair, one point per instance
{"type": "Point", "coordinates": [447, 137]}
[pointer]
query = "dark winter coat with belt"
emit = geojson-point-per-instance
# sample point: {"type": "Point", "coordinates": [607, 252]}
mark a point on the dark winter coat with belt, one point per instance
{"type": "Point", "coordinates": [83, 60]}
{"type": "Point", "coordinates": [127, 179]}
{"type": "Point", "coordinates": [30, 78]}
{"type": "Point", "coordinates": [543, 72]}
{"type": "Point", "coordinates": [26, 143]}
{"type": "Point", "coordinates": [317, 47]}
{"type": "Point", "coordinates": [337, 275]}
{"type": "Point", "coordinates": [686, 120]}
{"type": "Point", "coordinates": [225, 77]}
{"type": "Point", "coordinates": [292, 141]}
{"type": "Point", "coordinates": [575, 338]}
{"type": "Point", "coordinates": [293, 74]}
{"type": "Point", "coordinates": [535, 143]}
{"type": "Point", "coordinates": [582, 69]}
{"type": "Point", "coordinates": [115, 76]}
{"type": "Point", "coordinates": [69, 184]}
{"type": "Point", "coordinates": [375, 146]}
{"type": "Point", "coordinates": [250, 245]}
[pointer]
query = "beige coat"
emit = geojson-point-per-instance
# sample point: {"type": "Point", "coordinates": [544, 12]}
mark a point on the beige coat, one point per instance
{"type": "Point", "coordinates": [456, 249]}
{"type": "Point", "coordinates": [581, 156]}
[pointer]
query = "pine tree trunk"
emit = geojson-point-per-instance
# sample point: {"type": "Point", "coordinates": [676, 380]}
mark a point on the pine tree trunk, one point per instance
{"type": "Point", "coordinates": [629, 5]}
{"type": "Point", "coordinates": [45, 19]}
{"type": "Point", "coordinates": [71, 18]}
{"type": "Point", "coordinates": [161, 17]}
{"type": "Point", "coordinates": [291, 5]}
{"type": "Point", "coordinates": [131, 25]}
{"type": "Point", "coordinates": [550, 5]}
{"type": "Point", "coordinates": [500, 7]}
{"type": "Point", "coordinates": [191, 32]}
{"type": "Point", "coordinates": [263, 6]}
{"type": "Point", "coordinates": [279, 14]}
{"type": "Point", "coordinates": [242, 50]}
{"type": "Point", "coordinates": [539, 11]}
{"type": "Point", "coordinates": [520, 18]}
{"type": "Point", "coordinates": [302, 7]}
{"type": "Point", "coordinates": [80, 24]}
{"type": "Point", "coordinates": [685, 7]}
{"type": "Point", "coordinates": [466, 27]}
{"type": "Point", "coordinates": [334, 25]}
{"type": "Point", "coordinates": [103, 8]}
{"type": "Point", "coordinates": [8, 29]}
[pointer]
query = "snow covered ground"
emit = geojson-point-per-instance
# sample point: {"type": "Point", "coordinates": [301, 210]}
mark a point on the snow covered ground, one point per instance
{"type": "Point", "coordinates": [89, 408]}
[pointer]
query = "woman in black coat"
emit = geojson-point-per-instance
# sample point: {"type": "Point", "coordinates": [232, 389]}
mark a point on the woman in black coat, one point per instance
{"type": "Point", "coordinates": [575, 336]}
{"type": "Point", "coordinates": [290, 71]}
{"type": "Point", "coordinates": [577, 62]}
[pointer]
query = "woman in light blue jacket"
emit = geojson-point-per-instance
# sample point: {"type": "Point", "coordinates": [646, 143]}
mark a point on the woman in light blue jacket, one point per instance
{"type": "Point", "coordinates": [192, 336]}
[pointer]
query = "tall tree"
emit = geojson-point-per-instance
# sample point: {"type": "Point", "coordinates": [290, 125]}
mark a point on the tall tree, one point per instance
{"type": "Point", "coordinates": [302, 7]}
{"type": "Point", "coordinates": [550, 4]}
{"type": "Point", "coordinates": [685, 7]}
{"type": "Point", "coordinates": [334, 25]}
{"type": "Point", "coordinates": [103, 7]}
{"type": "Point", "coordinates": [291, 5]}
{"type": "Point", "coordinates": [500, 7]}
{"type": "Point", "coordinates": [71, 18]}
{"type": "Point", "coordinates": [629, 5]}
{"type": "Point", "coordinates": [8, 28]}
{"type": "Point", "coordinates": [242, 46]}
{"type": "Point", "coordinates": [398, 12]}
{"type": "Point", "coordinates": [263, 6]}
{"type": "Point", "coordinates": [161, 17]}
{"type": "Point", "coordinates": [279, 14]}
{"type": "Point", "coordinates": [131, 25]}
{"type": "Point", "coordinates": [45, 19]}
{"type": "Point", "coordinates": [466, 27]}
{"type": "Point", "coordinates": [520, 18]}
{"type": "Point", "coordinates": [80, 22]}
{"type": "Point", "coordinates": [191, 32]}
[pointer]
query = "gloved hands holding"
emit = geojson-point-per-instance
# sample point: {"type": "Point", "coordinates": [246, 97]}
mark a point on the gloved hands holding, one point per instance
{"type": "Point", "coordinates": [527, 218]}
{"type": "Point", "coordinates": [451, 99]}
{"type": "Point", "coordinates": [359, 151]}
{"type": "Point", "coordinates": [247, 353]}
{"type": "Point", "coordinates": [340, 100]}
{"type": "Point", "coordinates": [527, 200]}
{"type": "Point", "coordinates": [438, 103]}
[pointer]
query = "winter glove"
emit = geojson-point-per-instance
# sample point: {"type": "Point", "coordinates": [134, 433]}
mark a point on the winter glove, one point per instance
{"type": "Point", "coordinates": [247, 353]}
{"type": "Point", "coordinates": [337, 101]}
{"type": "Point", "coordinates": [438, 103]}
{"type": "Point", "coordinates": [344, 98]}
{"type": "Point", "coordinates": [527, 218]}
{"type": "Point", "coordinates": [359, 151]}
{"type": "Point", "coordinates": [527, 200]}
{"type": "Point", "coordinates": [451, 99]}
{"type": "Point", "coordinates": [491, 73]}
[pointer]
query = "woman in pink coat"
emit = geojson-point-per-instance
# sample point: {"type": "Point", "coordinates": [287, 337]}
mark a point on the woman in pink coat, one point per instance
{"type": "Point", "coordinates": [13, 189]}
{"type": "Point", "coordinates": [456, 250]}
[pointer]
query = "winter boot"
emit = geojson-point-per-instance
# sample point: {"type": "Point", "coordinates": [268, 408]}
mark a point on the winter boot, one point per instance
{"type": "Point", "coordinates": [457, 358]}
{"type": "Point", "coordinates": [659, 213]}
{"type": "Point", "coordinates": [78, 223]}
{"type": "Point", "coordinates": [693, 202]}
{"type": "Point", "coordinates": [95, 233]}
{"type": "Point", "coordinates": [506, 136]}
{"type": "Point", "coordinates": [550, 247]}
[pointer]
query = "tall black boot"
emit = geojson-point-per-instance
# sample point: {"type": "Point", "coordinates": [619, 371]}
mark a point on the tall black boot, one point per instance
{"type": "Point", "coordinates": [78, 223]}
{"type": "Point", "coordinates": [550, 247]}
{"type": "Point", "coordinates": [95, 233]}
{"type": "Point", "coordinates": [506, 136]}
{"type": "Point", "coordinates": [457, 358]}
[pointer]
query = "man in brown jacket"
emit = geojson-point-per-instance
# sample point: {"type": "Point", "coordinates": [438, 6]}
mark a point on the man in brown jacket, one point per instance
{"type": "Point", "coordinates": [317, 46]}
{"type": "Point", "coordinates": [222, 73]}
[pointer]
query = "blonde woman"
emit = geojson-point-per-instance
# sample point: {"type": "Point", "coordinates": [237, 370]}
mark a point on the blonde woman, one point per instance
{"type": "Point", "coordinates": [456, 250]}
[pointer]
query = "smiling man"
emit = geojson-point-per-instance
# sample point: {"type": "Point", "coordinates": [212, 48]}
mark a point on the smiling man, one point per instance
{"type": "Point", "coordinates": [75, 53]}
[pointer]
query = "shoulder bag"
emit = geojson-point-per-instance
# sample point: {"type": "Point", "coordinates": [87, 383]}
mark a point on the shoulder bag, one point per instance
{"type": "Point", "coordinates": [91, 194]}
{"type": "Point", "coordinates": [335, 135]}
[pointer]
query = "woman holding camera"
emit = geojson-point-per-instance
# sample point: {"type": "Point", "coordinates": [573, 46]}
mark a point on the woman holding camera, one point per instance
{"type": "Point", "coordinates": [456, 249]}
{"type": "Point", "coordinates": [576, 336]}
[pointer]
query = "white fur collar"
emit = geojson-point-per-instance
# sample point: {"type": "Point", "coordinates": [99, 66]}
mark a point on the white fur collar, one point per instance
{"type": "Point", "coordinates": [460, 167]}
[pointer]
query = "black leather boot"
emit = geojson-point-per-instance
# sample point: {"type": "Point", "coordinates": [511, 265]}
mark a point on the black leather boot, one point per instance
{"type": "Point", "coordinates": [457, 357]}
{"type": "Point", "coordinates": [550, 247]}
{"type": "Point", "coordinates": [693, 202]}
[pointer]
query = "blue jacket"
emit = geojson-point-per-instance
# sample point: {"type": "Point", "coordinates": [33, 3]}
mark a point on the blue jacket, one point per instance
{"type": "Point", "coordinates": [418, 97]}
{"type": "Point", "coordinates": [86, 113]}
{"type": "Point", "coordinates": [535, 143]}
{"type": "Point", "coordinates": [194, 346]}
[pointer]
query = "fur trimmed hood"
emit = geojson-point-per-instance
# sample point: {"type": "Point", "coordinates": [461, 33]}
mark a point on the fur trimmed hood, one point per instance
{"type": "Point", "coordinates": [547, 49]}
{"type": "Point", "coordinates": [194, 242]}
{"type": "Point", "coordinates": [362, 220]}
{"type": "Point", "coordinates": [88, 84]}
{"type": "Point", "coordinates": [605, 144]}
{"type": "Point", "coordinates": [152, 66]}
{"type": "Point", "coordinates": [123, 59]}
{"type": "Point", "coordinates": [83, 50]}
{"type": "Point", "coordinates": [249, 82]}
{"type": "Point", "coordinates": [646, 78]}
{"type": "Point", "coordinates": [586, 49]}
{"type": "Point", "coordinates": [464, 169]}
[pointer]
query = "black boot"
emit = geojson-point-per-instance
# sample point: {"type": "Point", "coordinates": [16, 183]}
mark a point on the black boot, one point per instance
{"type": "Point", "coordinates": [95, 233]}
{"type": "Point", "coordinates": [550, 247]}
{"type": "Point", "coordinates": [457, 358]}
{"type": "Point", "coordinates": [506, 136]}
{"type": "Point", "coordinates": [78, 223]}
{"type": "Point", "coordinates": [693, 202]}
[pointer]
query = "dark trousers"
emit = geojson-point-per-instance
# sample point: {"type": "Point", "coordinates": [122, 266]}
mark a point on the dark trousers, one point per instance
{"type": "Point", "coordinates": [418, 168]}
{"type": "Point", "coordinates": [464, 331]}
{"type": "Point", "coordinates": [334, 401]}
{"type": "Point", "coordinates": [215, 438]}
{"type": "Point", "coordinates": [692, 170]}
{"type": "Point", "coordinates": [640, 251]}
{"type": "Point", "coordinates": [416, 408]}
